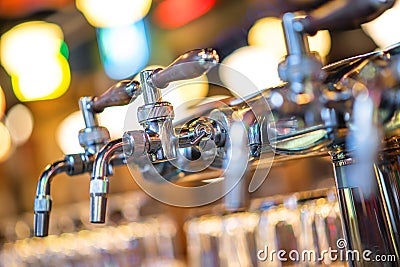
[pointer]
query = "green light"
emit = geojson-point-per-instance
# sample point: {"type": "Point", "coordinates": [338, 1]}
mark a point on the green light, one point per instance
{"type": "Point", "coordinates": [64, 50]}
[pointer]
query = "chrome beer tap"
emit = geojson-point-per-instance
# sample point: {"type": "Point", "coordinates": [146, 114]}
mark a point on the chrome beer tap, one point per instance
{"type": "Point", "coordinates": [357, 92]}
{"type": "Point", "coordinates": [91, 138]}
{"type": "Point", "coordinates": [157, 140]}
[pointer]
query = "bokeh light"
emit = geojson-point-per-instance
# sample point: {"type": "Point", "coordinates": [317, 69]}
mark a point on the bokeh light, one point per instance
{"type": "Point", "coordinates": [67, 133]}
{"type": "Point", "coordinates": [5, 142]}
{"type": "Point", "coordinates": [19, 122]}
{"type": "Point", "coordinates": [258, 64]}
{"type": "Point", "coordinates": [107, 13]}
{"type": "Point", "coordinates": [49, 79]}
{"type": "Point", "coordinates": [124, 50]}
{"type": "Point", "coordinates": [268, 33]}
{"type": "Point", "coordinates": [383, 29]}
{"type": "Point", "coordinates": [2, 103]}
{"type": "Point", "coordinates": [171, 14]}
{"type": "Point", "coordinates": [27, 43]}
{"type": "Point", "coordinates": [35, 56]}
{"type": "Point", "coordinates": [116, 126]}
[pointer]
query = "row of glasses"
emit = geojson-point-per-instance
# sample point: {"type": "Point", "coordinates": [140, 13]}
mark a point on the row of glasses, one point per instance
{"type": "Point", "coordinates": [146, 243]}
{"type": "Point", "coordinates": [303, 225]}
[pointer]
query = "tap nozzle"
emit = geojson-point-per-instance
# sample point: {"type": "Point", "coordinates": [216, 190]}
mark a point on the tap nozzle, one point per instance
{"type": "Point", "coordinates": [99, 183]}
{"type": "Point", "coordinates": [41, 217]}
{"type": "Point", "coordinates": [98, 199]}
{"type": "Point", "coordinates": [42, 204]}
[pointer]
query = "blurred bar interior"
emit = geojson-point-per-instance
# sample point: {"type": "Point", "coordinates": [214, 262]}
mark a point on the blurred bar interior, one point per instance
{"type": "Point", "coordinates": [52, 53]}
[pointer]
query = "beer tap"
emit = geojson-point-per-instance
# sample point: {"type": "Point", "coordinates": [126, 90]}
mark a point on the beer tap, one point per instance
{"type": "Point", "coordinates": [157, 140]}
{"type": "Point", "coordinates": [91, 138]}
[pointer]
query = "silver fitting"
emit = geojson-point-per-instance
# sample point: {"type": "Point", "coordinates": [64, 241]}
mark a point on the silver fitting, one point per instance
{"type": "Point", "coordinates": [42, 203]}
{"type": "Point", "coordinates": [134, 144]}
{"type": "Point", "coordinates": [91, 139]}
{"type": "Point", "coordinates": [98, 199]}
{"type": "Point", "coordinates": [301, 68]}
{"type": "Point", "coordinates": [156, 111]}
{"type": "Point", "coordinates": [41, 219]}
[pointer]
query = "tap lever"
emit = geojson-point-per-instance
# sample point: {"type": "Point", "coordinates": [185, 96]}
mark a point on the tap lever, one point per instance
{"type": "Point", "coordinates": [341, 15]}
{"type": "Point", "coordinates": [119, 94]}
{"type": "Point", "coordinates": [202, 60]}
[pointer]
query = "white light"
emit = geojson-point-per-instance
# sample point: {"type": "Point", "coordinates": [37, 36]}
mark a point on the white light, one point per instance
{"type": "Point", "coordinates": [256, 64]}
{"type": "Point", "coordinates": [384, 30]}
{"type": "Point", "coordinates": [19, 122]}
{"type": "Point", "coordinates": [29, 42]}
{"type": "Point", "coordinates": [110, 13]}
{"type": "Point", "coordinates": [114, 117]}
{"type": "Point", "coordinates": [181, 92]}
{"type": "Point", "coordinates": [268, 33]}
{"type": "Point", "coordinates": [321, 42]}
{"type": "Point", "coordinates": [67, 133]}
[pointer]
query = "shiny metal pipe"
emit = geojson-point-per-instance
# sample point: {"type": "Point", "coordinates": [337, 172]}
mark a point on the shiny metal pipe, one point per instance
{"type": "Point", "coordinates": [99, 181]}
{"type": "Point", "coordinates": [42, 204]}
{"type": "Point", "coordinates": [370, 219]}
{"type": "Point", "coordinates": [90, 118]}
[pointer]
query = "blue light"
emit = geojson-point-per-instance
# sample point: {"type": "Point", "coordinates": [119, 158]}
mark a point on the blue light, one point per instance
{"type": "Point", "coordinates": [124, 50]}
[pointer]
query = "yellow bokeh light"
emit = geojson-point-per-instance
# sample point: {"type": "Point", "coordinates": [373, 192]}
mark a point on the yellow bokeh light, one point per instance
{"type": "Point", "coordinates": [5, 142]}
{"type": "Point", "coordinates": [249, 69]}
{"type": "Point", "coordinates": [67, 133]}
{"type": "Point", "coordinates": [49, 78]}
{"type": "Point", "coordinates": [2, 103]}
{"type": "Point", "coordinates": [29, 42]}
{"type": "Point", "coordinates": [268, 33]}
{"type": "Point", "coordinates": [19, 122]}
{"type": "Point", "coordinates": [107, 13]}
{"type": "Point", "coordinates": [382, 29]}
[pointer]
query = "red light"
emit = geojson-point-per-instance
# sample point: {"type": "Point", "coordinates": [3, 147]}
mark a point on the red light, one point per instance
{"type": "Point", "coordinates": [172, 14]}
{"type": "Point", "coordinates": [20, 8]}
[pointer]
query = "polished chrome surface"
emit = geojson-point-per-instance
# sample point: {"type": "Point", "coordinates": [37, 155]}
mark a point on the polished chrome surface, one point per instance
{"type": "Point", "coordinates": [99, 181]}
{"type": "Point", "coordinates": [190, 65]}
{"type": "Point", "coordinates": [235, 176]}
{"type": "Point", "coordinates": [90, 118]}
{"type": "Point", "coordinates": [91, 138]}
{"type": "Point", "coordinates": [42, 204]}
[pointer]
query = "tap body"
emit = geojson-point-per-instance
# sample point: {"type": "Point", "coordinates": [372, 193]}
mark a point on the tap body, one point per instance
{"type": "Point", "coordinates": [42, 204]}
{"type": "Point", "coordinates": [91, 138]}
{"type": "Point", "coordinates": [99, 183]}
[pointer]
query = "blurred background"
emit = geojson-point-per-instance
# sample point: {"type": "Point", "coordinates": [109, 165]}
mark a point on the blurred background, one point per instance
{"type": "Point", "coordinates": [53, 52]}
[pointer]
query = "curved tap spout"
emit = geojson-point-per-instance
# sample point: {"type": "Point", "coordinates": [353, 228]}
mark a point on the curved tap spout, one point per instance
{"type": "Point", "coordinates": [42, 204]}
{"type": "Point", "coordinates": [99, 180]}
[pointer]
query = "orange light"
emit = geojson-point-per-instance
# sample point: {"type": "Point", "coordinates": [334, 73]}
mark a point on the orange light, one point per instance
{"type": "Point", "coordinates": [5, 142]}
{"type": "Point", "coordinates": [172, 14]}
{"type": "Point", "coordinates": [2, 103]}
